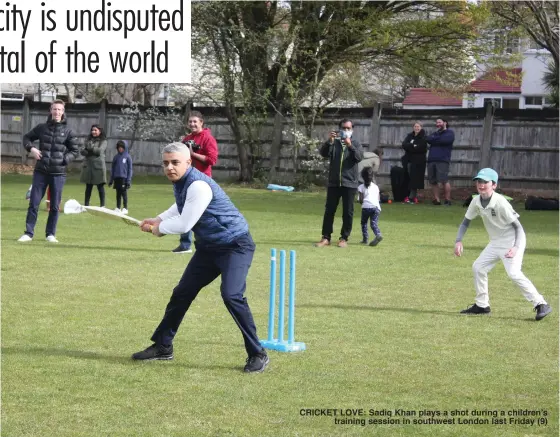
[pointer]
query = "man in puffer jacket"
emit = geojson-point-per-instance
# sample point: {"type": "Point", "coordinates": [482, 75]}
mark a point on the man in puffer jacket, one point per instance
{"type": "Point", "coordinates": [57, 148]}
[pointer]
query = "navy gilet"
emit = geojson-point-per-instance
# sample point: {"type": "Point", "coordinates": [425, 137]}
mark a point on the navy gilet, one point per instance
{"type": "Point", "coordinates": [221, 223]}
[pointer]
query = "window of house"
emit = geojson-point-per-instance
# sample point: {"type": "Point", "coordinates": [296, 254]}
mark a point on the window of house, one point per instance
{"type": "Point", "coordinates": [510, 103]}
{"type": "Point", "coordinates": [512, 45]}
{"type": "Point", "coordinates": [496, 102]}
{"type": "Point", "coordinates": [534, 100]}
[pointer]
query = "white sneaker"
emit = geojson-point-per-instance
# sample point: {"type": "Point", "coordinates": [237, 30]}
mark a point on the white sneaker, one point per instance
{"type": "Point", "coordinates": [24, 238]}
{"type": "Point", "coordinates": [52, 239]}
{"type": "Point", "coordinates": [117, 210]}
{"type": "Point", "coordinates": [124, 211]}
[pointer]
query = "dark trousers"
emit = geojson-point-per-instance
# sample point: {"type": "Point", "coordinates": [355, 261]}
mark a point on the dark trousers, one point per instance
{"type": "Point", "coordinates": [232, 262]}
{"type": "Point", "coordinates": [186, 240]}
{"type": "Point", "coordinates": [120, 187]}
{"type": "Point", "coordinates": [40, 183]}
{"type": "Point", "coordinates": [100, 189]}
{"type": "Point", "coordinates": [348, 196]}
{"type": "Point", "coordinates": [371, 214]}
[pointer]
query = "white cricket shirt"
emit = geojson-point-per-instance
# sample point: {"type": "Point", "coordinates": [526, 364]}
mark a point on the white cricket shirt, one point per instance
{"type": "Point", "coordinates": [497, 217]}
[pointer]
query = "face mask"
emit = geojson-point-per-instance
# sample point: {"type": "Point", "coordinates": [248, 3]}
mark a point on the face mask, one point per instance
{"type": "Point", "coordinates": [345, 134]}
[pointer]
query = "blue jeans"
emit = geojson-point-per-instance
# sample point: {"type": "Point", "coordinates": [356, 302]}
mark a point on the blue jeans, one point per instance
{"type": "Point", "coordinates": [232, 262]}
{"type": "Point", "coordinates": [185, 241]}
{"type": "Point", "coordinates": [40, 183]}
{"type": "Point", "coordinates": [371, 214]}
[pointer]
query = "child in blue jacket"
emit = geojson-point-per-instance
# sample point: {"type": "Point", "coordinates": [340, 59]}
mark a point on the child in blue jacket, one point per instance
{"type": "Point", "coordinates": [121, 175]}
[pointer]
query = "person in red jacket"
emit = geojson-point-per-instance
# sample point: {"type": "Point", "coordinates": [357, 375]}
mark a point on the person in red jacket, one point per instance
{"type": "Point", "coordinates": [204, 154]}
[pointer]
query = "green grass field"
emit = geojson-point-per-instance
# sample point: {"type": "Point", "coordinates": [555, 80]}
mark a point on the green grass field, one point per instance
{"type": "Point", "coordinates": [381, 325]}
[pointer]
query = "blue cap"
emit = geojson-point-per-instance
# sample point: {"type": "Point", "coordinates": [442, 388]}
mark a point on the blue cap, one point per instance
{"type": "Point", "coordinates": [487, 174]}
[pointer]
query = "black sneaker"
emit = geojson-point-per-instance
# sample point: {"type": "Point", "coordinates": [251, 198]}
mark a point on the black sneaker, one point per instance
{"type": "Point", "coordinates": [364, 241]}
{"type": "Point", "coordinates": [436, 202]}
{"type": "Point", "coordinates": [475, 309]}
{"type": "Point", "coordinates": [447, 203]}
{"type": "Point", "coordinates": [181, 250]}
{"type": "Point", "coordinates": [256, 363]}
{"type": "Point", "coordinates": [154, 352]}
{"type": "Point", "coordinates": [542, 310]}
{"type": "Point", "coordinates": [376, 241]}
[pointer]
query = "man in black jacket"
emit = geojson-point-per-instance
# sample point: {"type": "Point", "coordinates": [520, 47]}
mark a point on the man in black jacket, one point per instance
{"type": "Point", "coordinates": [344, 154]}
{"type": "Point", "coordinates": [57, 148]}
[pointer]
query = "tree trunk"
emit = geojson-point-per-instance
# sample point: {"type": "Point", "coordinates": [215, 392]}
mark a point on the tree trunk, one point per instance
{"type": "Point", "coordinates": [245, 164]}
{"type": "Point", "coordinates": [276, 147]}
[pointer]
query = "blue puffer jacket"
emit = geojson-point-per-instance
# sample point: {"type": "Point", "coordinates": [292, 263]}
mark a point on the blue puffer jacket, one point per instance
{"type": "Point", "coordinates": [221, 223]}
{"type": "Point", "coordinates": [441, 144]}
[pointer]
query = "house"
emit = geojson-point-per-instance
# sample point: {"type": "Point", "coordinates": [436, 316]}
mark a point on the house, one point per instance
{"type": "Point", "coordinates": [502, 87]}
{"type": "Point", "coordinates": [425, 98]}
{"type": "Point", "coordinates": [520, 87]}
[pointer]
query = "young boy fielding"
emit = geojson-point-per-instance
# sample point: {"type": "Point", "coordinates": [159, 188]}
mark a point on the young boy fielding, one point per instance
{"type": "Point", "coordinates": [507, 243]}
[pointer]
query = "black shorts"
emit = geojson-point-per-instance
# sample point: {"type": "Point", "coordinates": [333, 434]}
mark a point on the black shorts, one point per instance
{"type": "Point", "coordinates": [119, 184]}
{"type": "Point", "coordinates": [438, 172]}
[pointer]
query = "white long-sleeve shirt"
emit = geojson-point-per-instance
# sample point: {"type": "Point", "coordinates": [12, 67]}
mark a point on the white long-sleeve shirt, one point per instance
{"type": "Point", "coordinates": [198, 198]}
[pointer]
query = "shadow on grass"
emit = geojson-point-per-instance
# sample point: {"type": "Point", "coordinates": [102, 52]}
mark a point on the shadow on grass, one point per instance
{"type": "Point", "coordinates": [9, 350]}
{"type": "Point", "coordinates": [79, 246]}
{"type": "Point", "coordinates": [534, 251]}
{"type": "Point", "coordinates": [408, 310]}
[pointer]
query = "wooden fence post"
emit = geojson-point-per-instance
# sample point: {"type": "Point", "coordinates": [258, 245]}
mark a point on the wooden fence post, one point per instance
{"type": "Point", "coordinates": [25, 127]}
{"type": "Point", "coordinates": [103, 115]}
{"type": "Point", "coordinates": [375, 121]}
{"type": "Point", "coordinates": [486, 146]}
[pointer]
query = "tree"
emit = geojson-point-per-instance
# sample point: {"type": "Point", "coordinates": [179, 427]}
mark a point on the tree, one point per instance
{"type": "Point", "coordinates": [274, 56]}
{"type": "Point", "coordinates": [538, 19]}
{"type": "Point", "coordinates": [151, 123]}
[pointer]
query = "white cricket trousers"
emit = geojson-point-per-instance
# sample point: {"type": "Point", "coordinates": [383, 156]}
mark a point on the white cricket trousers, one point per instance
{"type": "Point", "coordinates": [486, 262]}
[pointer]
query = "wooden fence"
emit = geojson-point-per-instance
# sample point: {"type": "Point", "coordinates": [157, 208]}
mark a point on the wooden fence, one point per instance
{"type": "Point", "coordinates": [522, 145]}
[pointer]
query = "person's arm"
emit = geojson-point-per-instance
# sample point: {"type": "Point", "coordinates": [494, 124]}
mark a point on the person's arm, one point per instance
{"type": "Point", "coordinates": [173, 211]}
{"type": "Point", "coordinates": [460, 234]}
{"type": "Point", "coordinates": [29, 137]}
{"type": "Point", "coordinates": [421, 146]}
{"type": "Point", "coordinates": [72, 148]}
{"type": "Point", "coordinates": [360, 194]}
{"type": "Point", "coordinates": [446, 138]}
{"type": "Point", "coordinates": [198, 198]}
{"type": "Point", "coordinates": [326, 148]}
{"type": "Point", "coordinates": [356, 151]}
{"type": "Point", "coordinates": [520, 239]}
{"type": "Point", "coordinates": [210, 155]}
{"type": "Point", "coordinates": [407, 144]}
{"type": "Point", "coordinates": [97, 151]}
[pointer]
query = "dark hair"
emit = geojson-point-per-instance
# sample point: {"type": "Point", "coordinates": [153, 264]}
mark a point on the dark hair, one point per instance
{"type": "Point", "coordinates": [378, 151]}
{"type": "Point", "coordinates": [101, 133]}
{"type": "Point", "coordinates": [345, 120]}
{"type": "Point", "coordinates": [196, 114]}
{"type": "Point", "coordinates": [122, 144]}
{"type": "Point", "coordinates": [445, 121]}
{"type": "Point", "coordinates": [367, 176]}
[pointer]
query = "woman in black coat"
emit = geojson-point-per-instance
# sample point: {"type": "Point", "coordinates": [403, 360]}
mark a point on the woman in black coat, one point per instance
{"type": "Point", "coordinates": [414, 161]}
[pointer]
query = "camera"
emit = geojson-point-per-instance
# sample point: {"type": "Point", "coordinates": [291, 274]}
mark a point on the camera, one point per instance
{"type": "Point", "coordinates": [191, 143]}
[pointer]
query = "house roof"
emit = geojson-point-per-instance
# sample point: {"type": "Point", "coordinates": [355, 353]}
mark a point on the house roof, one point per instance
{"type": "Point", "coordinates": [498, 81]}
{"type": "Point", "coordinates": [429, 97]}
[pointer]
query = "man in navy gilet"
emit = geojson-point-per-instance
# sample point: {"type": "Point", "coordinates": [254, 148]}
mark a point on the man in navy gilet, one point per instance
{"type": "Point", "coordinates": [223, 247]}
